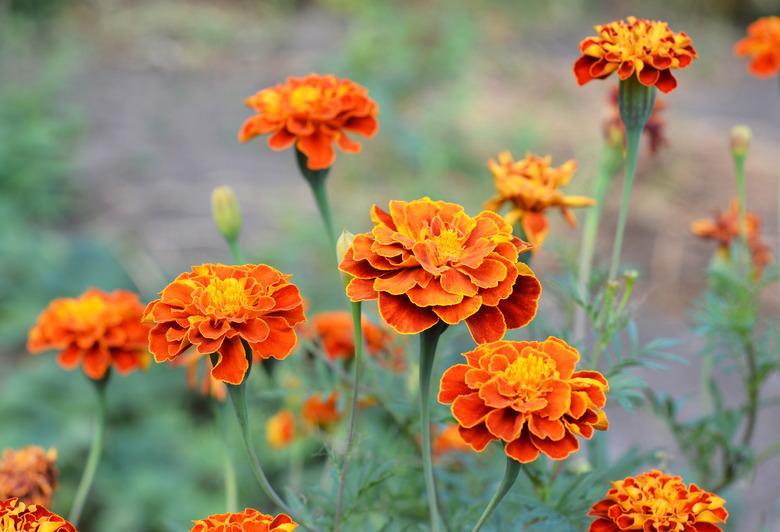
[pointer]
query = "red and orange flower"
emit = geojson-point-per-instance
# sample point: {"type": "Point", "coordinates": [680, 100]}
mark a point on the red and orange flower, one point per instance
{"type": "Point", "coordinates": [526, 394]}
{"type": "Point", "coordinates": [312, 112]}
{"type": "Point", "coordinates": [249, 520]}
{"type": "Point", "coordinates": [28, 474]}
{"type": "Point", "coordinates": [216, 308]}
{"type": "Point", "coordinates": [763, 45]}
{"type": "Point", "coordinates": [656, 502]}
{"type": "Point", "coordinates": [427, 261]}
{"type": "Point", "coordinates": [16, 516]}
{"type": "Point", "coordinates": [280, 429]}
{"type": "Point", "coordinates": [320, 412]}
{"type": "Point", "coordinates": [100, 330]}
{"type": "Point", "coordinates": [648, 49]}
{"type": "Point", "coordinates": [531, 186]}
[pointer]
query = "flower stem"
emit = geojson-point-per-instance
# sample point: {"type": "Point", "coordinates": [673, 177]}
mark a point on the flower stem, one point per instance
{"type": "Point", "coordinates": [316, 180]}
{"type": "Point", "coordinates": [429, 339]}
{"type": "Point", "coordinates": [632, 149]}
{"type": "Point", "coordinates": [228, 468]}
{"type": "Point", "coordinates": [510, 475]}
{"type": "Point", "coordinates": [93, 458]}
{"type": "Point", "coordinates": [236, 251]}
{"type": "Point", "coordinates": [739, 170]}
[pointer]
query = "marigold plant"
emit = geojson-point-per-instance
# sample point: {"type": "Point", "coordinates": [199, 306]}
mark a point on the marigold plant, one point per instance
{"type": "Point", "coordinates": [280, 429]}
{"type": "Point", "coordinates": [321, 412]}
{"type": "Point", "coordinates": [657, 502]}
{"type": "Point", "coordinates": [249, 520]}
{"type": "Point", "coordinates": [762, 44]}
{"type": "Point", "coordinates": [648, 49]}
{"type": "Point", "coordinates": [99, 330]}
{"type": "Point", "coordinates": [16, 516]}
{"type": "Point", "coordinates": [28, 474]}
{"type": "Point", "coordinates": [526, 394]}
{"type": "Point", "coordinates": [426, 261]}
{"type": "Point", "coordinates": [216, 308]}
{"type": "Point", "coordinates": [312, 112]}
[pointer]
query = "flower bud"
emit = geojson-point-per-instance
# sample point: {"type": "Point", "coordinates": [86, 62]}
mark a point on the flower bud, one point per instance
{"type": "Point", "coordinates": [224, 208]}
{"type": "Point", "coordinates": [740, 140]}
{"type": "Point", "coordinates": [343, 244]}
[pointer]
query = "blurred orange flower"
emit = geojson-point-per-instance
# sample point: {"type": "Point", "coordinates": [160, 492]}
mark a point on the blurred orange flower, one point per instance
{"type": "Point", "coordinates": [280, 429]}
{"type": "Point", "coordinates": [647, 48]}
{"type": "Point", "coordinates": [28, 474]}
{"type": "Point", "coordinates": [249, 520]}
{"type": "Point", "coordinates": [449, 440]}
{"type": "Point", "coordinates": [654, 128]}
{"type": "Point", "coordinates": [531, 186]}
{"type": "Point", "coordinates": [321, 413]}
{"type": "Point", "coordinates": [215, 308]}
{"type": "Point", "coordinates": [312, 112]}
{"type": "Point", "coordinates": [16, 516]}
{"type": "Point", "coordinates": [526, 394]}
{"type": "Point", "coordinates": [724, 227]}
{"type": "Point", "coordinates": [98, 329]}
{"type": "Point", "coordinates": [656, 502]}
{"type": "Point", "coordinates": [763, 45]}
{"type": "Point", "coordinates": [427, 261]}
{"type": "Point", "coordinates": [209, 386]}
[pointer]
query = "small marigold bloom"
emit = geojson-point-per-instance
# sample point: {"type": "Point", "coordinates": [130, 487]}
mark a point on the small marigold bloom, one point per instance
{"type": "Point", "coordinates": [448, 441]}
{"type": "Point", "coordinates": [214, 308]}
{"type": "Point", "coordinates": [427, 261]}
{"type": "Point", "coordinates": [312, 112]}
{"type": "Point", "coordinates": [100, 330]}
{"type": "Point", "coordinates": [319, 412]}
{"type": "Point", "coordinates": [762, 44]}
{"type": "Point", "coordinates": [531, 186]}
{"type": "Point", "coordinates": [280, 429]}
{"type": "Point", "coordinates": [724, 227]}
{"type": "Point", "coordinates": [648, 49]}
{"type": "Point", "coordinates": [656, 502]}
{"type": "Point", "coordinates": [249, 520]}
{"type": "Point", "coordinates": [16, 516]}
{"type": "Point", "coordinates": [208, 386]}
{"type": "Point", "coordinates": [526, 394]}
{"type": "Point", "coordinates": [28, 474]}
{"type": "Point", "coordinates": [654, 128]}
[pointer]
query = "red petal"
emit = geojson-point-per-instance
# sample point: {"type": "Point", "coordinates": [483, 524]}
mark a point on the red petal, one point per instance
{"type": "Point", "coordinates": [404, 317]}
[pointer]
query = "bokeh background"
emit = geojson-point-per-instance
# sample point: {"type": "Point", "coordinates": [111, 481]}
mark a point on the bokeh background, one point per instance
{"type": "Point", "coordinates": [118, 117]}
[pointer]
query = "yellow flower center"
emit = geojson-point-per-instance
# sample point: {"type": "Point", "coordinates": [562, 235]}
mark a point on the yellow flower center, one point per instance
{"type": "Point", "coordinates": [85, 311]}
{"type": "Point", "coordinates": [448, 245]}
{"type": "Point", "coordinates": [530, 371]}
{"type": "Point", "coordinates": [226, 296]}
{"type": "Point", "coordinates": [302, 98]}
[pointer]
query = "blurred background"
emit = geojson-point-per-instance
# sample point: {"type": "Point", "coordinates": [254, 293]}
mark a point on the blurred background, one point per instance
{"type": "Point", "coordinates": [117, 119]}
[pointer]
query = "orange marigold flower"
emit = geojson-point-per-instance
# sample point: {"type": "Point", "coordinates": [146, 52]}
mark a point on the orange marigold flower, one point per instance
{"type": "Point", "coordinates": [647, 48]}
{"type": "Point", "coordinates": [249, 520]}
{"type": "Point", "coordinates": [101, 330]}
{"type": "Point", "coordinates": [763, 45]}
{"type": "Point", "coordinates": [319, 412]}
{"type": "Point", "coordinates": [312, 112]}
{"type": "Point", "coordinates": [427, 261]}
{"type": "Point", "coordinates": [28, 474]}
{"type": "Point", "coordinates": [656, 502]}
{"type": "Point", "coordinates": [16, 516]}
{"type": "Point", "coordinates": [654, 128]}
{"type": "Point", "coordinates": [215, 308]}
{"type": "Point", "coordinates": [280, 429]}
{"type": "Point", "coordinates": [449, 440]}
{"type": "Point", "coordinates": [724, 227]}
{"type": "Point", "coordinates": [526, 394]}
{"type": "Point", "coordinates": [531, 186]}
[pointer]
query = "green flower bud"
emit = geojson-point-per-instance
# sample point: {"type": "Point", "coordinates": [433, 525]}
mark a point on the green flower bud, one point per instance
{"type": "Point", "coordinates": [224, 208]}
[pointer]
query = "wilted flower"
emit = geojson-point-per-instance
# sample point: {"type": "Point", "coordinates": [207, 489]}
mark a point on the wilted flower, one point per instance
{"type": "Point", "coordinates": [449, 440]}
{"type": "Point", "coordinates": [319, 412]}
{"type": "Point", "coordinates": [526, 394]}
{"type": "Point", "coordinates": [249, 520]}
{"type": "Point", "coordinates": [656, 502]}
{"type": "Point", "coordinates": [763, 45]}
{"type": "Point", "coordinates": [427, 261]}
{"type": "Point", "coordinates": [16, 516]}
{"type": "Point", "coordinates": [654, 128]}
{"type": "Point", "coordinates": [97, 329]}
{"type": "Point", "coordinates": [647, 48]}
{"type": "Point", "coordinates": [531, 186]}
{"type": "Point", "coordinates": [280, 429]}
{"type": "Point", "coordinates": [28, 474]}
{"type": "Point", "coordinates": [216, 308]}
{"type": "Point", "coordinates": [312, 112]}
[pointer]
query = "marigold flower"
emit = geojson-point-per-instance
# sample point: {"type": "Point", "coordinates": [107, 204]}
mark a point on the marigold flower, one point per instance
{"type": "Point", "coordinates": [319, 412]}
{"type": "Point", "coordinates": [312, 112]}
{"type": "Point", "coordinates": [531, 186]}
{"type": "Point", "coordinates": [280, 429]}
{"type": "Point", "coordinates": [28, 474]}
{"type": "Point", "coordinates": [647, 48]}
{"type": "Point", "coordinates": [656, 502]}
{"type": "Point", "coordinates": [215, 308]}
{"type": "Point", "coordinates": [427, 261]}
{"type": "Point", "coordinates": [16, 516]}
{"type": "Point", "coordinates": [763, 45]}
{"type": "Point", "coordinates": [526, 394]}
{"type": "Point", "coordinates": [654, 128]}
{"type": "Point", "coordinates": [249, 520]}
{"type": "Point", "coordinates": [98, 329]}
{"type": "Point", "coordinates": [724, 227]}
{"type": "Point", "coordinates": [449, 440]}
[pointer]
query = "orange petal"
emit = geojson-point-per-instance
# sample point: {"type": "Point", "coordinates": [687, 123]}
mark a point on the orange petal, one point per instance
{"type": "Point", "coordinates": [469, 410]}
{"type": "Point", "coordinates": [477, 437]}
{"type": "Point", "coordinates": [522, 449]}
{"type": "Point", "coordinates": [487, 325]}
{"type": "Point", "coordinates": [453, 383]}
{"type": "Point", "coordinates": [232, 363]}
{"type": "Point", "coordinates": [404, 317]}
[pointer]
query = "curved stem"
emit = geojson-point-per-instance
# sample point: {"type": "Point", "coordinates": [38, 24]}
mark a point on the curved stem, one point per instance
{"type": "Point", "coordinates": [632, 149]}
{"type": "Point", "coordinates": [510, 475]}
{"type": "Point", "coordinates": [95, 451]}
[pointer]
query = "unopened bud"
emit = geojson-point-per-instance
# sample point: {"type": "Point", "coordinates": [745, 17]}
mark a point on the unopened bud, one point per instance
{"type": "Point", "coordinates": [343, 244]}
{"type": "Point", "coordinates": [740, 140]}
{"type": "Point", "coordinates": [224, 208]}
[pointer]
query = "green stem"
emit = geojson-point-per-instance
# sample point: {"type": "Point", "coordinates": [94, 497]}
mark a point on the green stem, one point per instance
{"type": "Point", "coordinates": [429, 339]}
{"type": "Point", "coordinates": [235, 250]}
{"type": "Point", "coordinates": [632, 149]}
{"type": "Point", "coordinates": [752, 390]}
{"type": "Point", "coordinates": [93, 458]}
{"type": "Point", "coordinates": [510, 475]}
{"type": "Point", "coordinates": [228, 468]}
{"type": "Point", "coordinates": [739, 170]}
{"type": "Point", "coordinates": [316, 180]}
